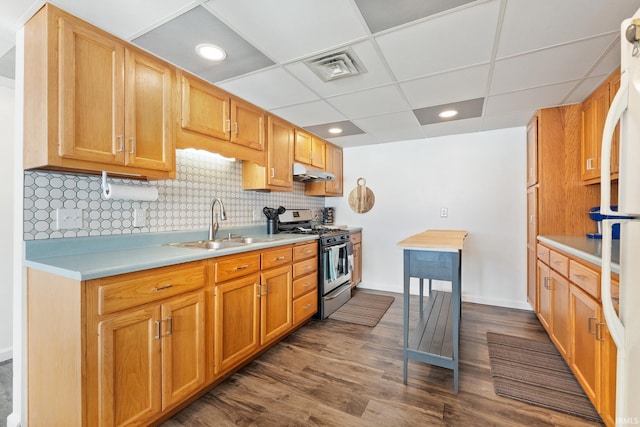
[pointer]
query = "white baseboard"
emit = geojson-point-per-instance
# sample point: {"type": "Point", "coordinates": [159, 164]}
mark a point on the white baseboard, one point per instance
{"type": "Point", "coordinates": [6, 354]}
{"type": "Point", "coordinates": [497, 302]}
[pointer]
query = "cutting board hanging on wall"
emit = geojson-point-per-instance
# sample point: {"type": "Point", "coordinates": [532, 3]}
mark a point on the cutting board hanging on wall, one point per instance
{"type": "Point", "coordinates": [361, 198]}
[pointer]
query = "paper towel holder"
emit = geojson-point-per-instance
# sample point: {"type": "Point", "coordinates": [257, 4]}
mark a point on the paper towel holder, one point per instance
{"type": "Point", "coordinates": [105, 186]}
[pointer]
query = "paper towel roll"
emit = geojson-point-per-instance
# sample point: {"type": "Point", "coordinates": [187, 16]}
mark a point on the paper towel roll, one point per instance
{"type": "Point", "coordinates": [127, 192]}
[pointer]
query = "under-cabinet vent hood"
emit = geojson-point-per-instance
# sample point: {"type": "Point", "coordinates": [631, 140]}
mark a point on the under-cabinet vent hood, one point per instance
{"type": "Point", "coordinates": [306, 173]}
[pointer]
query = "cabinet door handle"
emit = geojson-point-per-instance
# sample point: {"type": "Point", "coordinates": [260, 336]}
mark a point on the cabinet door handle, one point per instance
{"type": "Point", "coordinates": [235, 127]}
{"type": "Point", "coordinates": [266, 289]}
{"type": "Point", "coordinates": [546, 283]}
{"type": "Point", "coordinates": [121, 144]}
{"type": "Point", "coordinates": [599, 331]}
{"type": "Point", "coordinates": [158, 329]}
{"type": "Point", "coordinates": [133, 145]}
{"type": "Point", "coordinates": [170, 320]}
{"type": "Point", "coordinates": [162, 288]}
{"type": "Point", "coordinates": [273, 172]}
{"type": "Point", "coordinates": [227, 126]}
{"type": "Point", "coordinates": [590, 322]}
{"type": "Point", "coordinates": [241, 267]}
{"type": "Point", "coordinates": [590, 164]}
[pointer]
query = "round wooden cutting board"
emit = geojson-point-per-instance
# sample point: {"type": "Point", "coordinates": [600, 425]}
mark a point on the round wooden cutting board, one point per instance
{"type": "Point", "coordinates": [361, 198]}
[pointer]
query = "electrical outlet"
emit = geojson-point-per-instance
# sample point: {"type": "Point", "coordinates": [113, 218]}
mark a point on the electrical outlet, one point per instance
{"type": "Point", "coordinates": [444, 212]}
{"type": "Point", "coordinates": [139, 217]}
{"type": "Point", "coordinates": [67, 219]}
{"type": "Point", "coordinates": [255, 214]}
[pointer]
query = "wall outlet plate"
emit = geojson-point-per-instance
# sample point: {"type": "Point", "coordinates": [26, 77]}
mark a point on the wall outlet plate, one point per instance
{"type": "Point", "coordinates": [444, 212]}
{"type": "Point", "coordinates": [67, 219]}
{"type": "Point", "coordinates": [139, 217]}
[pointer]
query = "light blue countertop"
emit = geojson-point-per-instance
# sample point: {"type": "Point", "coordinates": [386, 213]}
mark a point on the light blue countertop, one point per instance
{"type": "Point", "coordinates": [589, 250]}
{"type": "Point", "coordinates": [84, 258]}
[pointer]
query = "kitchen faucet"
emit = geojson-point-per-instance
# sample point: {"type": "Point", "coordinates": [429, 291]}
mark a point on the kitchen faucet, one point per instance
{"type": "Point", "coordinates": [213, 228]}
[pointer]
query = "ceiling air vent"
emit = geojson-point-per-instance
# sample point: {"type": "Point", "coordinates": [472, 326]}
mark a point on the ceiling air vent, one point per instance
{"type": "Point", "coordinates": [336, 65]}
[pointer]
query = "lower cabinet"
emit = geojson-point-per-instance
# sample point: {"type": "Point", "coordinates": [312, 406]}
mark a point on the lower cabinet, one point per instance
{"type": "Point", "coordinates": [356, 274]}
{"type": "Point", "coordinates": [305, 281]}
{"type": "Point", "coordinates": [275, 303]}
{"type": "Point", "coordinates": [569, 308]}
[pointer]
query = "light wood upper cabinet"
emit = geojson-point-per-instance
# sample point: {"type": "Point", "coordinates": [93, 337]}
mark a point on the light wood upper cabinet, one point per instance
{"type": "Point", "coordinates": [333, 156]}
{"type": "Point", "coordinates": [309, 149]}
{"type": "Point", "coordinates": [213, 120]}
{"type": "Point", "coordinates": [276, 174]}
{"type": "Point", "coordinates": [94, 102]}
{"type": "Point", "coordinates": [594, 114]}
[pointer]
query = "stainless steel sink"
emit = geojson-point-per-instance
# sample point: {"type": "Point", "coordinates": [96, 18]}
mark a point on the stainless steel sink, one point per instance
{"type": "Point", "coordinates": [231, 242]}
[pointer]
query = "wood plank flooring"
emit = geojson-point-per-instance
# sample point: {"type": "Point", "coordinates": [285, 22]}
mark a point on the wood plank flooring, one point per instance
{"type": "Point", "coordinates": [334, 373]}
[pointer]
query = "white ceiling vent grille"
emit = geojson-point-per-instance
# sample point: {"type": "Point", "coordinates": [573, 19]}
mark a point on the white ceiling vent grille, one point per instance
{"type": "Point", "coordinates": [336, 65]}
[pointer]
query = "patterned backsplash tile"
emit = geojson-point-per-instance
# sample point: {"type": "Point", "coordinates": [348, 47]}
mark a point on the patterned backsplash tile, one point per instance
{"type": "Point", "coordinates": [183, 203]}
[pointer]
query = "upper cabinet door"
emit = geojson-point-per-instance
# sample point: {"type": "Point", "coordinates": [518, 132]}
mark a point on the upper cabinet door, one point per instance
{"type": "Point", "coordinates": [318, 158]}
{"type": "Point", "coordinates": [594, 113]}
{"type": "Point", "coordinates": [280, 152]}
{"type": "Point", "coordinates": [149, 139]}
{"type": "Point", "coordinates": [302, 151]}
{"type": "Point", "coordinates": [247, 125]}
{"type": "Point", "coordinates": [91, 95]}
{"type": "Point", "coordinates": [205, 109]}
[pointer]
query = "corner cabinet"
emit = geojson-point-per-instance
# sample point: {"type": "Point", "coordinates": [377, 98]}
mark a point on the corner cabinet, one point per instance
{"type": "Point", "coordinates": [275, 175]}
{"type": "Point", "coordinates": [333, 156]}
{"type": "Point", "coordinates": [93, 102]}
{"type": "Point", "coordinates": [213, 120]}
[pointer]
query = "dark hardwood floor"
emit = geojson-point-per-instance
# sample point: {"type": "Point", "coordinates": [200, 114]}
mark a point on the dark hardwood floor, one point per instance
{"type": "Point", "coordinates": [333, 373]}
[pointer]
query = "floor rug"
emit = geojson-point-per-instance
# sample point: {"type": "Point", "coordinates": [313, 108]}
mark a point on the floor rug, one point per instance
{"type": "Point", "coordinates": [363, 308]}
{"type": "Point", "coordinates": [533, 371]}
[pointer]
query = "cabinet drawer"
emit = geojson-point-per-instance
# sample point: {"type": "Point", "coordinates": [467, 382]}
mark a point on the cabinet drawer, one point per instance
{"type": "Point", "coordinates": [355, 238]}
{"type": "Point", "coordinates": [305, 307]}
{"type": "Point", "coordinates": [305, 267]}
{"type": "Point", "coordinates": [559, 263]}
{"type": "Point", "coordinates": [276, 257]}
{"type": "Point", "coordinates": [584, 277]}
{"type": "Point", "coordinates": [135, 289]}
{"type": "Point", "coordinates": [305, 251]}
{"type": "Point", "coordinates": [543, 253]}
{"type": "Point", "coordinates": [305, 284]}
{"type": "Point", "coordinates": [237, 266]}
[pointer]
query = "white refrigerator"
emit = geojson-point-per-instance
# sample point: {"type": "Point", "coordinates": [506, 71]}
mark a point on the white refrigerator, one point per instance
{"type": "Point", "coordinates": [624, 326]}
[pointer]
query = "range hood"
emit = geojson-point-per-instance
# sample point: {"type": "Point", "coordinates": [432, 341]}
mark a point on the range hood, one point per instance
{"type": "Point", "coordinates": [304, 173]}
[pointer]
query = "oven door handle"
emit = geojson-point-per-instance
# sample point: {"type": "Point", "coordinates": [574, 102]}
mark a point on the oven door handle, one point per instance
{"type": "Point", "coordinates": [335, 294]}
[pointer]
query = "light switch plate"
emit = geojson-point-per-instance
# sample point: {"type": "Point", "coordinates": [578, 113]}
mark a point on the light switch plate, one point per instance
{"type": "Point", "coordinates": [67, 219]}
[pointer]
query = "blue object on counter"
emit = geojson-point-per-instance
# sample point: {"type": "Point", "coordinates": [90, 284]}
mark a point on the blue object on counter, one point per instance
{"type": "Point", "coordinates": [594, 214]}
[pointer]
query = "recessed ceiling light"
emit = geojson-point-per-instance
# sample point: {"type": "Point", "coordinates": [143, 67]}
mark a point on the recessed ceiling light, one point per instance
{"type": "Point", "coordinates": [335, 131]}
{"type": "Point", "coordinates": [211, 52]}
{"type": "Point", "coordinates": [448, 114]}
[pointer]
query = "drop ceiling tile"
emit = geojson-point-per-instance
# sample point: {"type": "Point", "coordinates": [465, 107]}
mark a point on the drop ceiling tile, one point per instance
{"type": "Point", "coordinates": [444, 43]}
{"type": "Point", "coordinates": [455, 127]}
{"type": "Point", "coordinates": [383, 14]}
{"type": "Point", "coordinates": [176, 40]}
{"type": "Point", "coordinates": [290, 29]}
{"type": "Point", "coordinates": [125, 18]}
{"type": "Point", "coordinates": [509, 120]}
{"type": "Point", "coordinates": [311, 113]}
{"type": "Point", "coordinates": [548, 66]}
{"type": "Point", "coordinates": [551, 22]}
{"type": "Point", "coordinates": [270, 89]}
{"type": "Point", "coordinates": [526, 100]}
{"type": "Point", "coordinates": [391, 127]}
{"type": "Point", "coordinates": [376, 74]}
{"type": "Point", "coordinates": [371, 102]}
{"type": "Point", "coordinates": [584, 89]}
{"type": "Point", "coordinates": [453, 86]}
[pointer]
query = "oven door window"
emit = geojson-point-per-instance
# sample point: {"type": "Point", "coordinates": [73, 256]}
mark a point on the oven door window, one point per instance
{"type": "Point", "coordinates": [336, 266]}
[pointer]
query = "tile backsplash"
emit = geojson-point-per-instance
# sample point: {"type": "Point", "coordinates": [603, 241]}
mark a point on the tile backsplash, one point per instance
{"type": "Point", "coordinates": [183, 203]}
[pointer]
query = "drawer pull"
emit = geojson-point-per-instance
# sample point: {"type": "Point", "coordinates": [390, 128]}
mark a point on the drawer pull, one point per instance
{"type": "Point", "coordinates": [308, 251]}
{"type": "Point", "coordinates": [280, 258]}
{"type": "Point", "coordinates": [161, 288]}
{"type": "Point", "coordinates": [580, 276]}
{"type": "Point", "coordinates": [170, 320]}
{"type": "Point", "coordinates": [306, 285]}
{"type": "Point", "coordinates": [241, 267]}
{"type": "Point", "coordinates": [591, 321]}
{"type": "Point", "coordinates": [308, 306]}
{"type": "Point", "coordinates": [158, 329]}
{"type": "Point", "coordinates": [308, 267]}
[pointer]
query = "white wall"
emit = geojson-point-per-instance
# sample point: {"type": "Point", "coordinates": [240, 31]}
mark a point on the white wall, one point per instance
{"type": "Point", "coordinates": [6, 219]}
{"type": "Point", "coordinates": [479, 177]}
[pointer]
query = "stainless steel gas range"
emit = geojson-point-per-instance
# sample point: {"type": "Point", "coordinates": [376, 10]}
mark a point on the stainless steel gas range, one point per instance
{"type": "Point", "coordinates": [335, 259]}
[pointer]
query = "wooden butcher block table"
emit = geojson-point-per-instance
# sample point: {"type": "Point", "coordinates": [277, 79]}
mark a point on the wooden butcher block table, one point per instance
{"type": "Point", "coordinates": [435, 339]}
